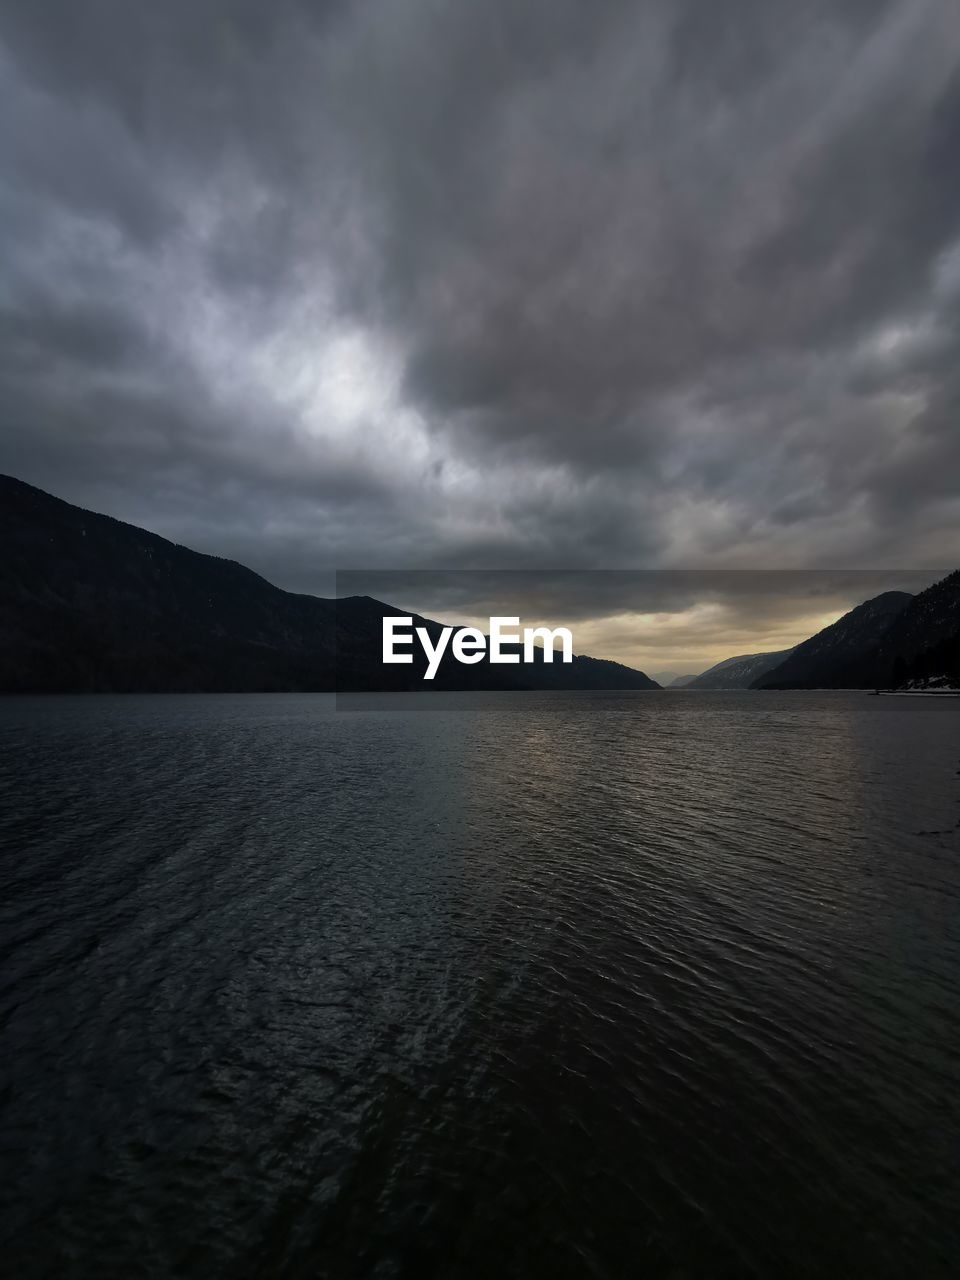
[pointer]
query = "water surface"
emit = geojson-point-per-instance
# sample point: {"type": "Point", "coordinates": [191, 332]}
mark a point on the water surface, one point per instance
{"type": "Point", "coordinates": [580, 985]}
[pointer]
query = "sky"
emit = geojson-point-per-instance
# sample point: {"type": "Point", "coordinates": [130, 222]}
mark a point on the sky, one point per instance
{"type": "Point", "coordinates": [527, 284]}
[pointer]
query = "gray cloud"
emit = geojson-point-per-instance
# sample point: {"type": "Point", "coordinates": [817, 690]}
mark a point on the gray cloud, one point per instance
{"type": "Point", "coordinates": [552, 284]}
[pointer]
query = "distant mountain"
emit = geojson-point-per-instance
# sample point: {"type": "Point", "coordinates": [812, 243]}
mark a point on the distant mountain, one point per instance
{"type": "Point", "coordinates": [671, 679]}
{"type": "Point", "coordinates": [665, 678]}
{"type": "Point", "coordinates": [845, 655]}
{"type": "Point", "coordinates": [739, 672]}
{"type": "Point", "coordinates": [91, 603]}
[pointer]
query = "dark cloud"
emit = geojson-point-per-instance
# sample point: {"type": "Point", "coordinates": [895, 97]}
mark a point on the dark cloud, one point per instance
{"type": "Point", "coordinates": [539, 285]}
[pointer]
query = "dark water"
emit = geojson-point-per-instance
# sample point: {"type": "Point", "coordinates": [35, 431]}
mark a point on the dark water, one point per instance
{"type": "Point", "coordinates": [563, 986]}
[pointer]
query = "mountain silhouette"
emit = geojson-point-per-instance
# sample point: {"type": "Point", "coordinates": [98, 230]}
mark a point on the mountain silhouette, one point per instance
{"type": "Point", "coordinates": [924, 638]}
{"type": "Point", "coordinates": [93, 604]}
{"type": "Point", "coordinates": [845, 655]}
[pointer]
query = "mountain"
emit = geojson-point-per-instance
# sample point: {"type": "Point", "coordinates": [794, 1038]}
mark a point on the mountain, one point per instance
{"type": "Point", "coordinates": [923, 640]}
{"type": "Point", "coordinates": [93, 604]}
{"type": "Point", "coordinates": [665, 678]}
{"type": "Point", "coordinates": [845, 655]}
{"type": "Point", "coordinates": [672, 679]}
{"type": "Point", "coordinates": [739, 672]}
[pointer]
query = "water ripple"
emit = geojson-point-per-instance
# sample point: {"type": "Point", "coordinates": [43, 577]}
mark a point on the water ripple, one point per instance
{"type": "Point", "coordinates": [561, 985]}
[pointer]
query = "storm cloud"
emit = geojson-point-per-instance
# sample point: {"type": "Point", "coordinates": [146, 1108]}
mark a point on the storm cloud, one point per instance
{"type": "Point", "coordinates": [430, 284]}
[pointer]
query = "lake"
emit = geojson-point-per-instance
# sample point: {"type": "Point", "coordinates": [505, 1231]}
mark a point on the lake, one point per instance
{"type": "Point", "coordinates": [542, 985]}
